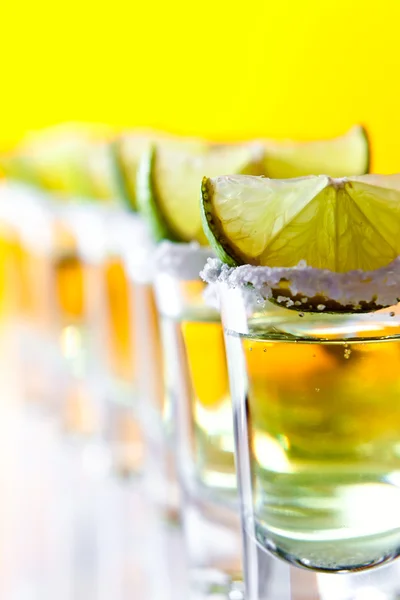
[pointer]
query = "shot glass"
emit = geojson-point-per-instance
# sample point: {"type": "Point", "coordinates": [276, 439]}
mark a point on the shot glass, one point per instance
{"type": "Point", "coordinates": [127, 248]}
{"type": "Point", "coordinates": [199, 420]}
{"type": "Point", "coordinates": [8, 245]}
{"type": "Point", "coordinates": [80, 316]}
{"type": "Point", "coordinates": [315, 396]}
{"type": "Point", "coordinates": [150, 407]}
{"type": "Point", "coordinates": [27, 293]}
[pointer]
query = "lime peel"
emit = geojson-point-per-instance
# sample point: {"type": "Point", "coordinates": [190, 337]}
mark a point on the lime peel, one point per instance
{"type": "Point", "coordinates": [147, 199]}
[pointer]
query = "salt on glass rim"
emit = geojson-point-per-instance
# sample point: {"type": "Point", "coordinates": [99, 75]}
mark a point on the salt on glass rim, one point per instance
{"type": "Point", "coordinates": [380, 287]}
{"type": "Point", "coordinates": [180, 260]}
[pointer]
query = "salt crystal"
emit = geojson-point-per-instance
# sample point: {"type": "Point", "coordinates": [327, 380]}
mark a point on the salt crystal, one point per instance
{"type": "Point", "coordinates": [184, 261]}
{"type": "Point", "coordinates": [380, 287]}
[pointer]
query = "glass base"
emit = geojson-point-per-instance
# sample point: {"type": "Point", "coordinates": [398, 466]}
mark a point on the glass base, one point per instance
{"type": "Point", "coordinates": [160, 480]}
{"type": "Point", "coordinates": [40, 367]}
{"type": "Point", "coordinates": [124, 432]}
{"type": "Point", "coordinates": [214, 547]}
{"type": "Point", "coordinates": [269, 578]}
{"type": "Point", "coordinates": [210, 584]}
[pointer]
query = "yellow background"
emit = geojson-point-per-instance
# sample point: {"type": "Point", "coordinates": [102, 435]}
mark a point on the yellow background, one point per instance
{"type": "Point", "coordinates": [294, 68]}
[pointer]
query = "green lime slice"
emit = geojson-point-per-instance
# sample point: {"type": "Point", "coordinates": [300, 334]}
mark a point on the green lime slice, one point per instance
{"type": "Point", "coordinates": [17, 168]}
{"type": "Point", "coordinates": [50, 166]}
{"type": "Point", "coordinates": [129, 148]}
{"type": "Point", "coordinates": [343, 156]}
{"type": "Point", "coordinates": [169, 181]}
{"type": "Point", "coordinates": [102, 174]}
{"type": "Point", "coordinates": [73, 160]}
{"type": "Point", "coordinates": [337, 224]}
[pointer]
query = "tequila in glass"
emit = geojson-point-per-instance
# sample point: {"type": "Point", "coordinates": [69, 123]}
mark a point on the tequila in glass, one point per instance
{"type": "Point", "coordinates": [9, 245]}
{"type": "Point", "coordinates": [69, 276]}
{"type": "Point", "coordinates": [28, 221]}
{"type": "Point", "coordinates": [78, 284]}
{"type": "Point", "coordinates": [317, 415]}
{"type": "Point", "coordinates": [199, 403]}
{"type": "Point", "coordinates": [160, 480]}
{"type": "Point", "coordinates": [118, 301]}
{"type": "Point", "coordinates": [126, 246]}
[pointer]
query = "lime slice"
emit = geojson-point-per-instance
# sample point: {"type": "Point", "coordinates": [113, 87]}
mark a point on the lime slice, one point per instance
{"type": "Point", "coordinates": [169, 181]}
{"type": "Point", "coordinates": [102, 174]}
{"type": "Point", "coordinates": [127, 151]}
{"type": "Point", "coordinates": [48, 164]}
{"type": "Point", "coordinates": [69, 159]}
{"type": "Point", "coordinates": [338, 157]}
{"type": "Point", "coordinates": [336, 224]}
{"type": "Point", "coordinates": [129, 148]}
{"type": "Point", "coordinates": [17, 167]}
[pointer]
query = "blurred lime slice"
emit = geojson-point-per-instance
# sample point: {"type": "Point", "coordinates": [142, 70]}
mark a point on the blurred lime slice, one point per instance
{"type": "Point", "coordinates": [70, 159]}
{"type": "Point", "coordinates": [103, 176]}
{"type": "Point", "coordinates": [169, 182]}
{"type": "Point", "coordinates": [343, 156]}
{"type": "Point", "coordinates": [337, 224]}
{"type": "Point", "coordinates": [129, 148]}
{"type": "Point", "coordinates": [49, 161]}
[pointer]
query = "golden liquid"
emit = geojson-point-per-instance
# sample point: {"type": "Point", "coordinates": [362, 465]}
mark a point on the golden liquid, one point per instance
{"type": "Point", "coordinates": [29, 293]}
{"type": "Point", "coordinates": [134, 325]}
{"type": "Point", "coordinates": [69, 276]}
{"type": "Point", "coordinates": [79, 414]}
{"type": "Point", "coordinates": [126, 433]}
{"type": "Point", "coordinates": [149, 356]}
{"type": "Point", "coordinates": [324, 436]}
{"type": "Point", "coordinates": [205, 350]}
{"type": "Point", "coordinates": [119, 306]}
{"type": "Point", "coordinates": [3, 274]}
{"type": "Point", "coordinates": [28, 298]}
{"type": "Point", "coordinates": [7, 274]}
{"type": "Point", "coordinates": [28, 285]}
{"type": "Point", "coordinates": [205, 399]}
{"type": "Point", "coordinates": [69, 286]}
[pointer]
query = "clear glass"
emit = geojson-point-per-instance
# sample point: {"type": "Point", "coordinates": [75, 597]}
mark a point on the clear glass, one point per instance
{"type": "Point", "coordinates": [136, 424]}
{"type": "Point", "coordinates": [125, 245]}
{"type": "Point", "coordinates": [79, 250]}
{"type": "Point", "coordinates": [9, 245]}
{"type": "Point", "coordinates": [201, 431]}
{"type": "Point", "coordinates": [160, 479]}
{"type": "Point", "coordinates": [26, 242]}
{"type": "Point", "coordinates": [316, 400]}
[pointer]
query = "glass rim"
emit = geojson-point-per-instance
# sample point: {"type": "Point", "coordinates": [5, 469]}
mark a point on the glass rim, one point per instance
{"type": "Point", "coordinates": [181, 260]}
{"type": "Point", "coordinates": [35, 229]}
{"type": "Point", "coordinates": [306, 287]}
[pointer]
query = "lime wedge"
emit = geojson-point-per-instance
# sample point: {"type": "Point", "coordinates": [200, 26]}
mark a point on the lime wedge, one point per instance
{"type": "Point", "coordinates": [169, 181]}
{"type": "Point", "coordinates": [129, 148]}
{"type": "Point", "coordinates": [343, 156]}
{"type": "Point", "coordinates": [16, 167]}
{"type": "Point", "coordinates": [51, 164]}
{"type": "Point", "coordinates": [102, 174]}
{"type": "Point", "coordinates": [127, 151]}
{"type": "Point", "coordinates": [337, 224]}
{"type": "Point", "coordinates": [69, 159]}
